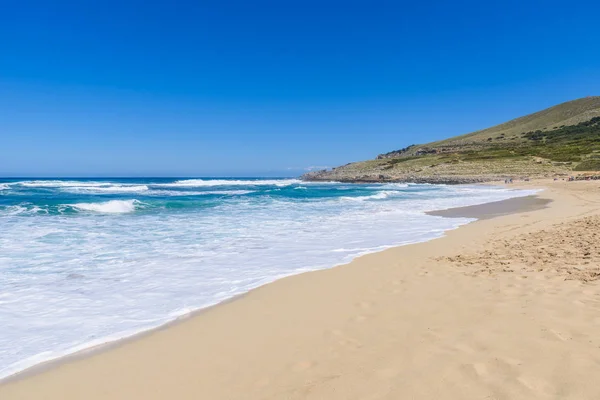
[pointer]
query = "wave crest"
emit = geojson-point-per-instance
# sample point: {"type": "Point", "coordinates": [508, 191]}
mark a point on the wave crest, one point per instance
{"type": "Point", "coordinates": [59, 184]}
{"type": "Point", "coordinates": [227, 182]}
{"type": "Point", "coordinates": [109, 207]}
{"type": "Point", "coordinates": [85, 186]}
{"type": "Point", "coordinates": [381, 195]}
{"type": "Point", "coordinates": [108, 189]}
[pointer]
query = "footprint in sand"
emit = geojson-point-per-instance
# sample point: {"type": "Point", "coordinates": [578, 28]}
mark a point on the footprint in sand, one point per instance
{"type": "Point", "coordinates": [480, 369]}
{"type": "Point", "coordinates": [386, 373]}
{"type": "Point", "coordinates": [346, 341]}
{"type": "Point", "coordinates": [554, 334]}
{"type": "Point", "coordinates": [539, 386]}
{"type": "Point", "coordinates": [365, 305]}
{"type": "Point", "coordinates": [558, 335]}
{"type": "Point", "coordinates": [462, 347]}
{"type": "Point", "coordinates": [262, 383]}
{"type": "Point", "coordinates": [360, 318]}
{"type": "Point", "coordinates": [302, 366]}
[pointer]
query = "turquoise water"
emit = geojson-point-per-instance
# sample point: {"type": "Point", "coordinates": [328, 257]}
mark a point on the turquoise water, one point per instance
{"type": "Point", "coordinates": [87, 261]}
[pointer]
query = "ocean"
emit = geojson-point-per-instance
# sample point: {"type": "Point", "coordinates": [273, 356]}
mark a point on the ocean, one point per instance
{"type": "Point", "coordinates": [89, 261]}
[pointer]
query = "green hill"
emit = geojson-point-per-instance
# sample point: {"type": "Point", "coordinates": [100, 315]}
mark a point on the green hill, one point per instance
{"type": "Point", "coordinates": [569, 113]}
{"type": "Point", "coordinates": [551, 142]}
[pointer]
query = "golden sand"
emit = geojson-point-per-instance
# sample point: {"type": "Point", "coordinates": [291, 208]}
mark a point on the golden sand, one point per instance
{"type": "Point", "coordinates": [503, 308]}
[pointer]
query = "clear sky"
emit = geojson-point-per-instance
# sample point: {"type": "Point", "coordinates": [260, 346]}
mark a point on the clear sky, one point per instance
{"type": "Point", "coordinates": [242, 88]}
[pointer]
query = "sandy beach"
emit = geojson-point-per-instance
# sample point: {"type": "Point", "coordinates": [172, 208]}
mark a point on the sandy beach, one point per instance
{"type": "Point", "coordinates": [507, 307]}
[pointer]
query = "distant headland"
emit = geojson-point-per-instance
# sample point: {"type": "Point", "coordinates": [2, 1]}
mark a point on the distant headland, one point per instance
{"type": "Point", "coordinates": [550, 143]}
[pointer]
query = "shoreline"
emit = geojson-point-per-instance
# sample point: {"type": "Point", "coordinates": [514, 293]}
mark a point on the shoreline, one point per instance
{"type": "Point", "coordinates": [54, 371]}
{"type": "Point", "coordinates": [495, 208]}
{"type": "Point", "coordinates": [477, 212]}
{"type": "Point", "coordinates": [110, 345]}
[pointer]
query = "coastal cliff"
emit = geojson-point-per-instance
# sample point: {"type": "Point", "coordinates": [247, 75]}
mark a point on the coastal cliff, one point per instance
{"type": "Point", "coordinates": [550, 143]}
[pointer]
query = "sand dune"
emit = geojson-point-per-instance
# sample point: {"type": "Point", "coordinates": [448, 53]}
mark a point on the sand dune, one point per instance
{"type": "Point", "coordinates": [504, 308]}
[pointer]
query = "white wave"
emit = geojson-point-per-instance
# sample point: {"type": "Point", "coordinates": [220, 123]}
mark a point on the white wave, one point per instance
{"type": "Point", "coordinates": [323, 183]}
{"type": "Point", "coordinates": [23, 208]}
{"type": "Point", "coordinates": [36, 210]}
{"type": "Point", "coordinates": [58, 184]}
{"type": "Point", "coordinates": [4, 186]}
{"type": "Point", "coordinates": [175, 193]}
{"type": "Point", "coordinates": [384, 194]}
{"type": "Point", "coordinates": [227, 182]}
{"type": "Point", "coordinates": [85, 186]}
{"type": "Point", "coordinates": [14, 210]}
{"type": "Point", "coordinates": [107, 189]}
{"type": "Point", "coordinates": [395, 185]}
{"type": "Point", "coordinates": [112, 206]}
{"type": "Point", "coordinates": [229, 192]}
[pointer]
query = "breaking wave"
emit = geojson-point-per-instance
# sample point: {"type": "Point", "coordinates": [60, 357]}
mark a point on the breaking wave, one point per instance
{"type": "Point", "coordinates": [384, 194]}
{"type": "Point", "coordinates": [84, 187]}
{"type": "Point", "coordinates": [109, 207]}
{"type": "Point", "coordinates": [175, 193]}
{"type": "Point", "coordinates": [108, 189]}
{"type": "Point", "coordinates": [60, 184]}
{"type": "Point", "coordinates": [228, 182]}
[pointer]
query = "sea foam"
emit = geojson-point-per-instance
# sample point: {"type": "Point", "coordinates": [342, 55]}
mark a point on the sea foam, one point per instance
{"type": "Point", "coordinates": [59, 184]}
{"type": "Point", "coordinates": [230, 182]}
{"type": "Point", "coordinates": [107, 189]}
{"type": "Point", "coordinates": [83, 267]}
{"type": "Point", "coordinates": [109, 207]}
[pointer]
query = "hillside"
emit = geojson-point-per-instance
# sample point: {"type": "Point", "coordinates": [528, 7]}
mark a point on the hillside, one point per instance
{"type": "Point", "coordinates": [551, 142]}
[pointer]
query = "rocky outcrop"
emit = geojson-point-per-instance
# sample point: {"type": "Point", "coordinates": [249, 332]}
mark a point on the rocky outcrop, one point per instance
{"type": "Point", "coordinates": [437, 170]}
{"type": "Point", "coordinates": [396, 153]}
{"type": "Point", "coordinates": [315, 176]}
{"type": "Point", "coordinates": [440, 180]}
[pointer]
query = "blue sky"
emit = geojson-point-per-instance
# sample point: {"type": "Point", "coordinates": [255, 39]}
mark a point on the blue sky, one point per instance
{"type": "Point", "coordinates": [197, 88]}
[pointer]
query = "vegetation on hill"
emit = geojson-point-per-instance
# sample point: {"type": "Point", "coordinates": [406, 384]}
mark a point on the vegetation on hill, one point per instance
{"type": "Point", "coordinates": [565, 114]}
{"type": "Point", "coordinates": [551, 142]}
{"type": "Point", "coordinates": [563, 144]}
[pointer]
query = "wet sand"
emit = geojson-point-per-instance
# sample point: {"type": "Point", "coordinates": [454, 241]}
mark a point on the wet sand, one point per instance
{"type": "Point", "coordinates": [494, 209]}
{"type": "Point", "coordinates": [502, 308]}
